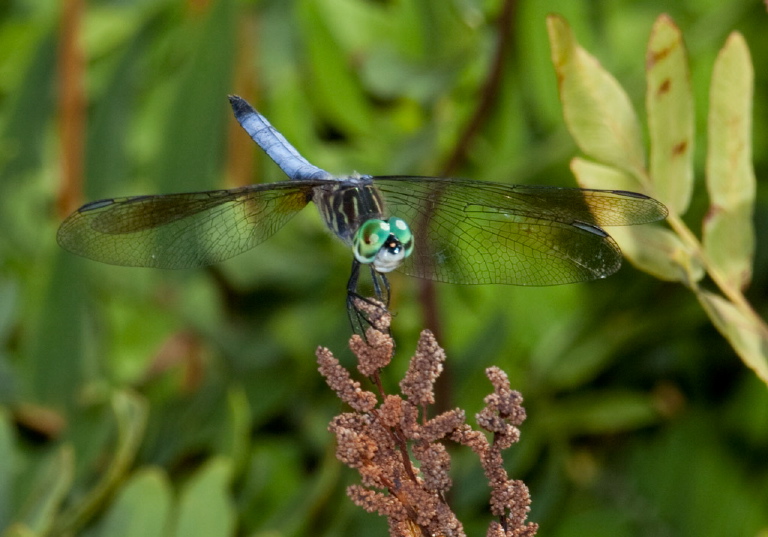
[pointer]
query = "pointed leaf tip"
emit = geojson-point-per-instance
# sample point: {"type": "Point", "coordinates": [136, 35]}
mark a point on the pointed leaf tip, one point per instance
{"type": "Point", "coordinates": [729, 236]}
{"type": "Point", "coordinates": [560, 38]}
{"type": "Point", "coordinates": [596, 109]}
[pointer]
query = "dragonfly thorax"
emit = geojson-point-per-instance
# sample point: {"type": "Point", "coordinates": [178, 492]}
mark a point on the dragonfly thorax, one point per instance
{"type": "Point", "coordinates": [347, 203]}
{"type": "Point", "coordinates": [383, 243]}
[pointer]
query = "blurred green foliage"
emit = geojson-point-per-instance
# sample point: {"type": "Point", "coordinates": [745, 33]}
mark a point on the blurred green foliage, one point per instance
{"type": "Point", "coordinates": [140, 402]}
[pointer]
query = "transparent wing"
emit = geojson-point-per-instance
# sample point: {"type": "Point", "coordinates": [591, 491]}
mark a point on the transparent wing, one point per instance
{"type": "Point", "coordinates": [177, 231]}
{"type": "Point", "coordinates": [474, 232]}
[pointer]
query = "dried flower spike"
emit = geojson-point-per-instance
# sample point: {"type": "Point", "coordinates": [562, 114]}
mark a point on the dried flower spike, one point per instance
{"type": "Point", "coordinates": [426, 365]}
{"type": "Point", "coordinates": [374, 352]}
{"type": "Point", "coordinates": [339, 381]}
{"type": "Point", "coordinates": [379, 442]}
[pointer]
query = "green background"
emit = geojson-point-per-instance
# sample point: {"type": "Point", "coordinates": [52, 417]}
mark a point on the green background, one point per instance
{"type": "Point", "coordinates": [148, 402]}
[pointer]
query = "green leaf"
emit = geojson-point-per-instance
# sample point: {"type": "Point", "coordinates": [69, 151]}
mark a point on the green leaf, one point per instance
{"type": "Point", "coordinates": [131, 416]}
{"type": "Point", "coordinates": [206, 508]}
{"type": "Point", "coordinates": [594, 521]}
{"type": "Point", "coordinates": [334, 85]}
{"type": "Point", "coordinates": [271, 487]}
{"type": "Point", "coordinates": [107, 162]}
{"type": "Point", "coordinates": [52, 483]}
{"type": "Point", "coordinates": [747, 413]}
{"type": "Point", "coordinates": [729, 236]}
{"type": "Point", "coordinates": [669, 103]}
{"type": "Point", "coordinates": [57, 347]}
{"type": "Point", "coordinates": [744, 332]}
{"type": "Point", "coordinates": [237, 429]}
{"type": "Point", "coordinates": [601, 412]}
{"type": "Point", "coordinates": [650, 247]}
{"type": "Point", "coordinates": [596, 109]}
{"type": "Point", "coordinates": [18, 530]}
{"type": "Point", "coordinates": [9, 306]}
{"type": "Point", "coordinates": [142, 507]}
{"type": "Point", "coordinates": [8, 461]}
{"type": "Point", "coordinates": [29, 107]}
{"type": "Point", "coordinates": [692, 480]}
{"type": "Point", "coordinates": [190, 156]}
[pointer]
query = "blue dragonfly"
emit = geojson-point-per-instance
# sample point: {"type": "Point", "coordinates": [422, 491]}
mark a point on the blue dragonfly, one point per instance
{"type": "Point", "coordinates": [440, 228]}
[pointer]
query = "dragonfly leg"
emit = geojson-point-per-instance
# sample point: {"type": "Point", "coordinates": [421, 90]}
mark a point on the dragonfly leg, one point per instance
{"type": "Point", "coordinates": [362, 311]}
{"type": "Point", "coordinates": [380, 286]}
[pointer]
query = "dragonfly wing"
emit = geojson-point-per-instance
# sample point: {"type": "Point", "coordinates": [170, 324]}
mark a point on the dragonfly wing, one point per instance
{"type": "Point", "coordinates": [475, 232]}
{"type": "Point", "coordinates": [177, 231]}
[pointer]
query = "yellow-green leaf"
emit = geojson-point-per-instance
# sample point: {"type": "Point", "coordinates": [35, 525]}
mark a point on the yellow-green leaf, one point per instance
{"type": "Point", "coordinates": [729, 237]}
{"type": "Point", "coordinates": [669, 103]}
{"type": "Point", "coordinates": [206, 508]}
{"type": "Point", "coordinates": [141, 508]}
{"type": "Point", "coordinates": [596, 109]}
{"type": "Point", "coordinates": [50, 488]}
{"type": "Point", "coordinates": [19, 530]}
{"type": "Point", "coordinates": [745, 333]}
{"type": "Point", "coordinates": [651, 248]}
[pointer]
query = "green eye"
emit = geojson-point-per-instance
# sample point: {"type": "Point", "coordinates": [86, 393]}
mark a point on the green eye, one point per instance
{"type": "Point", "coordinates": [383, 243]}
{"type": "Point", "coordinates": [402, 232]}
{"type": "Point", "coordinates": [369, 239]}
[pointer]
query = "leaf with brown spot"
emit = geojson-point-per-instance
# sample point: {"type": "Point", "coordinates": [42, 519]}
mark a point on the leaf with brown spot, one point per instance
{"type": "Point", "coordinates": [669, 102]}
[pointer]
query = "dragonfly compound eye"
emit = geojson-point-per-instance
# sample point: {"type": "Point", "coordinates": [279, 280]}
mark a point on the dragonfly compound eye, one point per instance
{"type": "Point", "coordinates": [402, 233]}
{"type": "Point", "coordinates": [369, 239]}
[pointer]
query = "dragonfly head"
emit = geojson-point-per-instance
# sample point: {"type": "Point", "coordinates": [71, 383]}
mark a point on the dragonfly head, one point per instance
{"type": "Point", "coordinates": [385, 243]}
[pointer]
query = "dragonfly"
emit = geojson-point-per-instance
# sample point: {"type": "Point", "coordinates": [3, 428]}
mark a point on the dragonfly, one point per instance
{"type": "Point", "coordinates": [445, 229]}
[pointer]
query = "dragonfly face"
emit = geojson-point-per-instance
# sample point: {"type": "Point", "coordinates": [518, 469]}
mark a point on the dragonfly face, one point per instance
{"type": "Point", "coordinates": [383, 243]}
{"type": "Point", "coordinates": [445, 229]}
